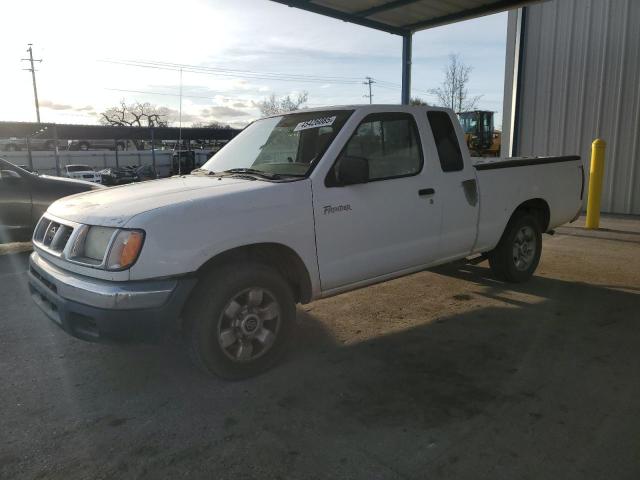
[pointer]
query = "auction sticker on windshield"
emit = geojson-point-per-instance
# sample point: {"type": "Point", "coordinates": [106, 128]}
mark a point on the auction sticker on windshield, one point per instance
{"type": "Point", "coordinates": [315, 123]}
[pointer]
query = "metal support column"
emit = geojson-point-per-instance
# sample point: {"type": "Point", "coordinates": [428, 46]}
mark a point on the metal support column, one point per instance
{"type": "Point", "coordinates": [518, 63]}
{"type": "Point", "coordinates": [406, 68]}
{"type": "Point", "coordinates": [153, 149]}
{"type": "Point", "coordinates": [55, 149]}
{"type": "Point", "coordinates": [29, 152]}
{"type": "Point", "coordinates": [115, 147]}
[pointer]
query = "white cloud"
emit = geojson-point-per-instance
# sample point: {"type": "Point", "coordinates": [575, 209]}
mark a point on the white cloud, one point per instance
{"type": "Point", "coordinates": [242, 37]}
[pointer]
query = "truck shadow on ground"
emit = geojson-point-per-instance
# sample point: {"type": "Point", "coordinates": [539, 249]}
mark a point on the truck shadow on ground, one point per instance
{"type": "Point", "coordinates": [436, 372]}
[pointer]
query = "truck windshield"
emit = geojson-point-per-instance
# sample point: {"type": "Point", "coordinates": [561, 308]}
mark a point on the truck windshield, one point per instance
{"type": "Point", "coordinates": [284, 145]}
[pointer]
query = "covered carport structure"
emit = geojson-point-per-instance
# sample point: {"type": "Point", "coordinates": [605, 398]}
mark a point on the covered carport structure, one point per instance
{"type": "Point", "coordinates": [404, 18]}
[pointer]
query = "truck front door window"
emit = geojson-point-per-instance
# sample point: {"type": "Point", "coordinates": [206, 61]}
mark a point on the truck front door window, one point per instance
{"type": "Point", "coordinates": [390, 143]}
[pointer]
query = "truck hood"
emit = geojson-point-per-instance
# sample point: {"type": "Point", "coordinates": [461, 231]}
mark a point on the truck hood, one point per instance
{"type": "Point", "coordinates": [115, 206]}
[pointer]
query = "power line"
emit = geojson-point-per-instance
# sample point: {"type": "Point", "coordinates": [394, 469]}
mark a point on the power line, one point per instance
{"type": "Point", "coordinates": [33, 76]}
{"type": "Point", "coordinates": [220, 69]}
{"type": "Point", "coordinates": [224, 72]}
{"type": "Point", "coordinates": [159, 93]}
{"type": "Point", "coordinates": [234, 73]}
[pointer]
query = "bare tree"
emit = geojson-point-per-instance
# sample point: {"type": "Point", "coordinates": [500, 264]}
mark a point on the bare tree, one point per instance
{"type": "Point", "coordinates": [274, 105]}
{"type": "Point", "coordinates": [417, 101]}
{"type": "Point", "coordinates": [453, 92]}
{"type": "Point", "coordinates": [212, 124]}
{"type": "Point", "coordinates": [218, 125]}
{"type": "Point", "coordinates": [135, 115]}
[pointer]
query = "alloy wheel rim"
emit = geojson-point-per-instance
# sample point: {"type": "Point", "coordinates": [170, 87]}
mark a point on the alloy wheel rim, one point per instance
{"type": "Point", "coordinates": [524, 248]}
{"type": "Point", "coordinates": [249, 325]}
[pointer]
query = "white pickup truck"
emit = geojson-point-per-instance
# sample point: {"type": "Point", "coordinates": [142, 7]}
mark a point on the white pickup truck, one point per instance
{"type": "Point", "coordinates": [295, 208]}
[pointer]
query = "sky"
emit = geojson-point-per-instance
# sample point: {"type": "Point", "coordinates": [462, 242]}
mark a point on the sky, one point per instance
{"type": "Point", "coordinates": [244, 51]}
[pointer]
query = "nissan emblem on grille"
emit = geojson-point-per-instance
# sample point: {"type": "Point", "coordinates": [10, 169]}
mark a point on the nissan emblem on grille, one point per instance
{"type": "Point", "coordinates": [51, 233]}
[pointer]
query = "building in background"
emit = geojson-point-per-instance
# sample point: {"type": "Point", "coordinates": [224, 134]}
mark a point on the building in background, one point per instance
{"type": "Point", "coordinates": [572, 74]}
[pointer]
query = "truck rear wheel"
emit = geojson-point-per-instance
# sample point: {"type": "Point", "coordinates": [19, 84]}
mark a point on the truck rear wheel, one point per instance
{"type": "Point", "coordinates": [239, 320]}
{"type": "Point", "coordinates": [517, 255]}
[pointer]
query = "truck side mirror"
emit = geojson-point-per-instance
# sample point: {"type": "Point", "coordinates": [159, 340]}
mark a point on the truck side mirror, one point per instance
{"type": "Point", "coordinates": [351, 170]}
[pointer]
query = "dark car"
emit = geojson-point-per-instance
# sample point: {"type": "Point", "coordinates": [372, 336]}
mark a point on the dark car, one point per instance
{"type": "Point", "coordinates": [146, 172]}
{"type": "Point", "coordinates": [183, 162]}
{"type": "Point", "coordinates": [102, 144]}
{"type": "Point", "coordinates": [25, 196]}
{"type": "Point", "coordinates": [129, 174]}
{"type": "Point", "coordinates": [118, 176]}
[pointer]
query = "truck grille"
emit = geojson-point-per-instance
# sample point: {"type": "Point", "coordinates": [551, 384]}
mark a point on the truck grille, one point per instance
{"type": "Point", "coordinates": [52, 235]}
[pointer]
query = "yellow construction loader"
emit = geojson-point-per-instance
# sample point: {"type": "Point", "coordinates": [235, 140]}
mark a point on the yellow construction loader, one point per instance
{"type": "Point", "coordinates": [481, 137]}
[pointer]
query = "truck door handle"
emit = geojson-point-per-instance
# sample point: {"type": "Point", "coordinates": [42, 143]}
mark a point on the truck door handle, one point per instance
{"type": "Point", "coordinates": [426, 191]}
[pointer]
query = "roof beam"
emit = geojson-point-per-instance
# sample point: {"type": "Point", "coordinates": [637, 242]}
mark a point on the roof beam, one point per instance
{"type": "Point", "coordinates": [384, 7]}
{"type": "Point", "coordinates": [486, 9]}
{"type": "Point", "coordinates": [346, 17]}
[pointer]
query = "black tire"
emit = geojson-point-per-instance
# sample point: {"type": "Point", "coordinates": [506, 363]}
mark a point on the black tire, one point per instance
{"type": "Point", "coordinates": [50, 145]}
{"type": "Point", "coordinates": [207, 320]}
{"type": "Point", "coordinates": [505, 263]}
{"type": "Point", "coordinates": [120, 146]}
{"type": "Point", "coordinates": [84, 146]}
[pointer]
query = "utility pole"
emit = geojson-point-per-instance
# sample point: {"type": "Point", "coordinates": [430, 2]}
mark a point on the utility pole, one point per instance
{"type": "Point", "coordinates": [33, 76]}
{"type": "Point", "coordinates": [369, 81]}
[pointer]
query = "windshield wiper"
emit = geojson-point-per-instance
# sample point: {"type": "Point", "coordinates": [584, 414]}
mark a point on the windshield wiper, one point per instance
{"type": "Point", "coordinates": [198, 171]}
{"type": "Point", "coordinates": [253, 171]}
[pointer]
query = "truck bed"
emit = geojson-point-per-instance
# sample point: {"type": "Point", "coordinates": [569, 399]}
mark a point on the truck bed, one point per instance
{"type": "Point", "coordinates": [505, 183]}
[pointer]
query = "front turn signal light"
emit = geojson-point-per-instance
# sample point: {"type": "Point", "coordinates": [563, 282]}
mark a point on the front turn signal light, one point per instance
{"type": "Point", "coordinates": [125, 249]}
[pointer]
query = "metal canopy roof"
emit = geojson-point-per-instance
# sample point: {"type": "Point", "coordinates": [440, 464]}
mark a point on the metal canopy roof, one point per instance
{"type": "Point", "coordinates": [403, 17]}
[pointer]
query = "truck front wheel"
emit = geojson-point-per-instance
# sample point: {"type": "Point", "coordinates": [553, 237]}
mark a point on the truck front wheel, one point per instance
{"type": "Point", "coordinates": [517, 255]}
{"type": "Point", "coordinates": [239, 320]}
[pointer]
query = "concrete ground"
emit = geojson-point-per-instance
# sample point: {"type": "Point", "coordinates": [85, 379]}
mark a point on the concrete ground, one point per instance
{"type": "Point", "coordinates": [444, 374]}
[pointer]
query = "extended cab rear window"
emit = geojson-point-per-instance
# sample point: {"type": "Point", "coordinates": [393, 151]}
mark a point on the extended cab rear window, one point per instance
{"type": "Point", "coordinates": [446, 141]}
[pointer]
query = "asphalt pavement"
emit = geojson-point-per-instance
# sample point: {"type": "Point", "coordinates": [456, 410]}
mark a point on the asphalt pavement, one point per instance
{"type": "Point", "coordinates": [445, 374]}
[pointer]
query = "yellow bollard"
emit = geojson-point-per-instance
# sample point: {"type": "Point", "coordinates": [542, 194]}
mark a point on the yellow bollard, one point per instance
{"type": "Point", "coordinates": [596, 174]}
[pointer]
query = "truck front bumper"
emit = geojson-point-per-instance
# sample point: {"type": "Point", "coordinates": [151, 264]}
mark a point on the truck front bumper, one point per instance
{"type": "Point", "coordinates": [99, 310]}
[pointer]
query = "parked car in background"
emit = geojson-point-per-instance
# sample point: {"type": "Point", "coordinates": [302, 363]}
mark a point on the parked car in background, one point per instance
{"type": "Point", "coordinates": [12, 144]}
{"type": "Point", "coordinates": [15, 144]}
{"type": "Point", "coordinates": [82, 172]}
{"type": "Point", "coordinates": [183, 162]}
{"type": "Point", "coordinates": [146, 172]}
{"type": "Point", "coordinates": [103, 144]}
{"type": "Point", "coordinates": [118, 176]}
{"type": "Point", "coordinates": [128, 174]}
{"type": "Point", "coordinates": [25, 196]}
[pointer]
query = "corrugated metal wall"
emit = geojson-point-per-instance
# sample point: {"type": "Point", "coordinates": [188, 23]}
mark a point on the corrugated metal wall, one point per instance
{"type": "Point", "coordinates": [581, 80]}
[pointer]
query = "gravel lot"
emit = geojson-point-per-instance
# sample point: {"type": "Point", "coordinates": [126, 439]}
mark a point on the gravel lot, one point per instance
{"type": "Point", "coordinates": [443, 374]}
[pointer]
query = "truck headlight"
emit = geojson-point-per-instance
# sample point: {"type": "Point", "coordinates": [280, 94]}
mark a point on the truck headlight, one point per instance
{"type": "Point", "coordinates": [125, 249]}
{"type": "Point", "coordinates": [96, 242]}
{"type": "Point", "coordinates": [107, 247]}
